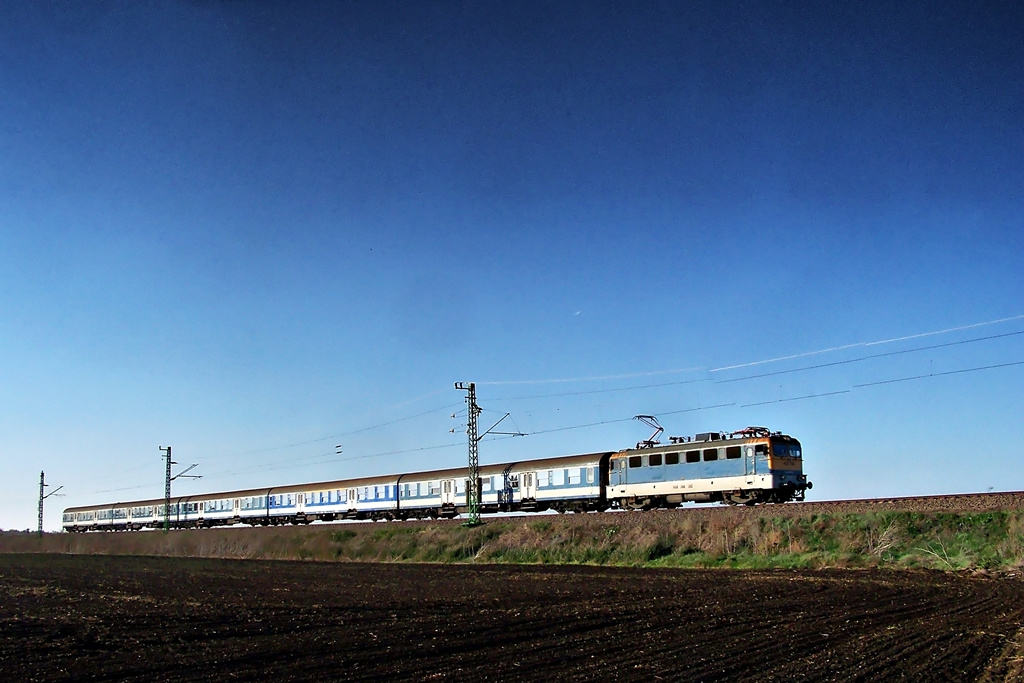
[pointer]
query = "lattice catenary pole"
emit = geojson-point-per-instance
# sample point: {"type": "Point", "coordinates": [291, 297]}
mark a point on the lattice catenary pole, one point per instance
{"type": "Point", "coordinates": [472, 486]}
{"type": "Point", "coordinates": [43, 496]}
{"type": "Point", "coordinates": [167, 488]}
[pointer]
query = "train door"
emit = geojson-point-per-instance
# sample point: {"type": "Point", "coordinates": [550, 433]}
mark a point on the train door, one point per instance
{"type": "Point", "coordinates": [618, 474]}
{"type": "Point", "coordinates": [300, 502]}
{"type": "Point", "coordinates": [448, 492]}
{"type": "Point", "coordinates": [529, 485]}
{"type": "Point", "coordinates": [749, 462]}
{"type": "Point", "coordinates": [353, 497]}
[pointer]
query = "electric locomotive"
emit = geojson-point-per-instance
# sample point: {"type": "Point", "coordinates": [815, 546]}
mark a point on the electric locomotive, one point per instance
{"type": "Point", "coordinates": [749, 466]}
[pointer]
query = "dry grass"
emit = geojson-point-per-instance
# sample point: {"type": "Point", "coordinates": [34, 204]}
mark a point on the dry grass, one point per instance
{"type": "Point", "coordinates": [727, 538]}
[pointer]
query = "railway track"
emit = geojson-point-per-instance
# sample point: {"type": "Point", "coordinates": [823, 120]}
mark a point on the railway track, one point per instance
{"type": "Point", "coordinates": [954, 502]}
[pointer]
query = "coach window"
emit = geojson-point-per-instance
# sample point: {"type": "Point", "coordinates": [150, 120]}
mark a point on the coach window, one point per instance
{"type": "Point", "coordinates": [590, 475]}
{"type": "Point", "coordinates": [671, 458]}
{"type": "Point", "coordinates": [710, 454]}
{"type": "Point", "coordinates": [732, 453]}
{"type": "Point", "coordinates": [655, 459]}
{"type": "Point", "coordinates": [692, 456]}
{"type": "Point", "coordinates": [636, 461]}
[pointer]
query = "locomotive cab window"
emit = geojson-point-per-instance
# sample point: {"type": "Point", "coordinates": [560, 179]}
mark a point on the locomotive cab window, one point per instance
{"type": "Point", "coordinates": [636, 461]}
{"type": "Point", "coordinates": [732, 452]}
{"type": "Point", "coordinates": [710, 454]}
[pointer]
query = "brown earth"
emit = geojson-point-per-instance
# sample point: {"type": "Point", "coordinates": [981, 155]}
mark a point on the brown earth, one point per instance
{"type": "Point", "coordinates": [82, 618]}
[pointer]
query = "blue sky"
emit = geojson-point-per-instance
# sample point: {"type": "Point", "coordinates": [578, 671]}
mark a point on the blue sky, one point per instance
{"type": "Point", "coordinates": [258, 230]}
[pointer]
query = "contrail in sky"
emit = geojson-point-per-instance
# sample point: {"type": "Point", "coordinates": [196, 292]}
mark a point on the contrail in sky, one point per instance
{"type": "Point", "coordinates": [592, 379]}
{"type": "Point", "coordinates": [859, 344]}
{"type": "Point", "coordinates": [757, 362]}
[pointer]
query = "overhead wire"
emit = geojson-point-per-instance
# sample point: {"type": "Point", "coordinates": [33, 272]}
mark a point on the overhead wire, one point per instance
{"type": "Point", "coordinates": [607, 391]}
{"type": "Point", "coordinates": [317, 458]}
{"type": "Point", "coordinates": [939, 374]}
{"type": "Point", "coordinates": [624, 419]}
{"type": "Point", "coordinates": [871, 343]}
{"type": "Point", "coordinates": [599, 378]}
{"type": "Point", "coordinates": [804, 354]}
{"type": "Point", "coordinates": [870, 357]}
{"type": "Point", "coordinates": [795, 398]}
{"type": "Point", "coordinates": [342, 434]}
{"type": "Point", "coordinates": [779, 372]}
{"type": "Point", "coordinates": [627, 419]}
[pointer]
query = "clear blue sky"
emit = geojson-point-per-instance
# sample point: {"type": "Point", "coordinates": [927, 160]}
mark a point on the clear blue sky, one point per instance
{"type": "Point", "coordinates": [254, 231]}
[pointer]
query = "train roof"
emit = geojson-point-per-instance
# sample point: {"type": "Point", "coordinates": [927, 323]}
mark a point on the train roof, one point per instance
{"type": "Point", "coordinates": [377, 480]}
{"type": "Point", "coordinates": [708, 440]}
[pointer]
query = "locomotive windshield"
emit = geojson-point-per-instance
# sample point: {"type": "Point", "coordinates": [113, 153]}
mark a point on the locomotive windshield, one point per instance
{"type": "Point", "coordinates": [791, 450]}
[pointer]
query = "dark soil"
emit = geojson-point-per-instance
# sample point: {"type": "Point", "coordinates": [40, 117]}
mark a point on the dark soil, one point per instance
{"type": "Point", "coordinates": [164, 619]}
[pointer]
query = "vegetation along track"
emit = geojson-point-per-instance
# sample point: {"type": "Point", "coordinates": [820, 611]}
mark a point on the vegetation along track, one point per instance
{"type": "Point", "coordinates": [976, 532]}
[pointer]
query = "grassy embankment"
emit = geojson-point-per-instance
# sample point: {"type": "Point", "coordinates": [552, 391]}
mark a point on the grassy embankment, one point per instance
{"type": "Point", "coordinates": [948, 541]}
{"type": "Point", "coordinates": [942, 541]}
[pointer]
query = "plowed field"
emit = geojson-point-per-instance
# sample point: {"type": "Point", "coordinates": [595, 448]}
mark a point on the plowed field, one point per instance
{"type": "Point", "coordinates": [165, 619]}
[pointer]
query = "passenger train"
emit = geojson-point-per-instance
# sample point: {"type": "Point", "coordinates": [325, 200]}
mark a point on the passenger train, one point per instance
{"type": "Point", "coordinates": [749, 466]}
